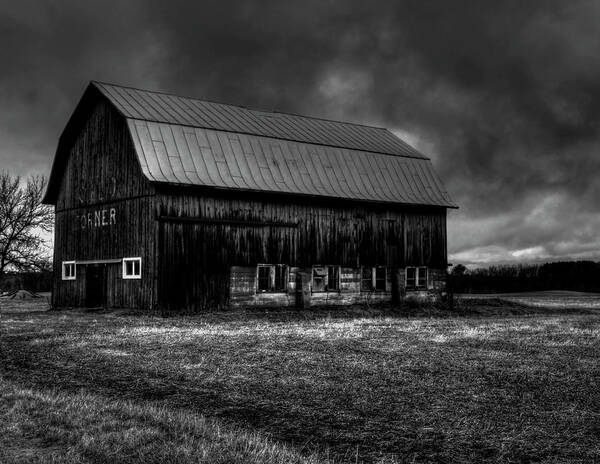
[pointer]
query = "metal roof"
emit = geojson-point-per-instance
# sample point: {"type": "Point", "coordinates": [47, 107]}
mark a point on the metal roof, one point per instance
{"type": "Point", "coordinates": [160, 107]}
{"type": "Point", "coordinates": [196, 156]}
{"type": "Point", "coordinates": [191, 142]}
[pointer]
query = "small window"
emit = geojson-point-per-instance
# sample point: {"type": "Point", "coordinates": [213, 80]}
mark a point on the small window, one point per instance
{"type": "Point", "coordinates": [272, 278]}
{"type": "Point", "coordinates": [264, 278]}
{"type": "Point", "coordinates": [280, 278]}
{"type": "Point", "coordinates": [411, 277]}
{"type": "Point", "coordinates": [366, 281]}
{"type": "Point", "coordinates": [319, 283]}
{"type": "Point", "coordinates": [380, 278]}
{"type": "Point", "coordinates": [422, 277]}
{"type": "Point", "coordinates": [373, 279]}
{"type": "Point", "coordinates": [132, 268]}
{"type": "Point", "coordinates": [333, 278]}
{"type": "Point", "coordinates": [416, 278]}
{"type": "Point", "coordinates": [69, 270]}
{"type": "Point", "coordinates": [325, 278]}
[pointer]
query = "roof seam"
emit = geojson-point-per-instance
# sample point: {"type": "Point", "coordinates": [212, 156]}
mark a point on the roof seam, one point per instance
{"type": "Point", "coordinates": [398, 155]}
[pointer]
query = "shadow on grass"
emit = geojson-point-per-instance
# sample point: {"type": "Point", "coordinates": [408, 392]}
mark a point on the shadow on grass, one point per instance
{"type": "Point", "coordinates": [471, 307]}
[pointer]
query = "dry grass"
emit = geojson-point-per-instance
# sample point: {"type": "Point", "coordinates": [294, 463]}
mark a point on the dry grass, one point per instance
{"type": "Point", "coordinates": [556, 299]}
{"type": "Point", "coordinates": [44, 426]}
{"type": "Point", "coordinates": [368, 388]}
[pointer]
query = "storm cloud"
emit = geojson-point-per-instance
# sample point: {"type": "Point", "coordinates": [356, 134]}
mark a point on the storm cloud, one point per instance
{"type": "Point", "coordinates": [503, 96]}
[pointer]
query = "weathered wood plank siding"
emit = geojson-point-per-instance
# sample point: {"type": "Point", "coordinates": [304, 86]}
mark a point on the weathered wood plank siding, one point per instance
{"type": "Point", "coordinates": [203, 234]}
{"type": "Point", "coordinates": [242, 290]}
{"type": "Point", "coordinates": [104, 211]}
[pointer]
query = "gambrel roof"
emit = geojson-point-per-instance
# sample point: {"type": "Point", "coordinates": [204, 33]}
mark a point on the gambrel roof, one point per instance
{"type": "Point", "coordinates": [193, 142]}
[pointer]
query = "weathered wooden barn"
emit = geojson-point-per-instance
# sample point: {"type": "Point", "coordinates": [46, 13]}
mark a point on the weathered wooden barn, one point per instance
{"type": "Point", "coordinates": [174, 203]}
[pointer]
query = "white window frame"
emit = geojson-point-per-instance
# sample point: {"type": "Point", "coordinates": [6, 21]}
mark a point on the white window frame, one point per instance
{"type": "Point", "coordinates": [133, 276]}
{"type": "Point", "coordinates": [418, 270]}
{"type": "Point", "coordinates": [272, 273]}
{"type": "Point", "coordinates": [64, 269]}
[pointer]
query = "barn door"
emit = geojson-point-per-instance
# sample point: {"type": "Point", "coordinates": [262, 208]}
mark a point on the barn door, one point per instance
{"type": "Point", "coordinates": [182, 263]}
{"type": "Point", "coordinates": [95, 285]}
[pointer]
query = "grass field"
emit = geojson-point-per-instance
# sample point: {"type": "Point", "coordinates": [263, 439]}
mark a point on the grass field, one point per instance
{"type": "Point", "coordinates": [294, 387]}
{"type": "Point", "coordinates": [547, 299]}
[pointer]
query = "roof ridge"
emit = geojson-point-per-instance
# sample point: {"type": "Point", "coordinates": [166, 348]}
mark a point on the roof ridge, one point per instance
{"type": "Point", "coordinates": [242, 106]}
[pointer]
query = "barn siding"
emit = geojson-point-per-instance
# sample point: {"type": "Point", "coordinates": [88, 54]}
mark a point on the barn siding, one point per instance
{"type": "Point", "coordinates": [242, 290]}
{"type": "Point", "coordinates": [203, 234]}
{"type": "Point", "coordinates": [103, 175]}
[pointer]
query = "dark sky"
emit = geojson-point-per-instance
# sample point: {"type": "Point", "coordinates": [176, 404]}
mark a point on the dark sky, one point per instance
{"type": "Point", "coordinates": [504, 96]}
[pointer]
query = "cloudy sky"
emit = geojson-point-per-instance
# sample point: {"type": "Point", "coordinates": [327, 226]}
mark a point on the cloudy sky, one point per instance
{"type": "Point", "coordinates": [504, 96]}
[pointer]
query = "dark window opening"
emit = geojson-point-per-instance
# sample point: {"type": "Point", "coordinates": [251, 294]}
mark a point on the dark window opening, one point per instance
{"type": "Point", "coordinates": [416, 278]}
{"type": "Point", "coordinates": [319, 283]}
{"type": "Point", "coordinates": [374, 279]}
{"type": "Point", "coordinates": [272, 278]}
{"type": "Point", "coordinates": [422, 277]}
{"type": "Point", "coordinates": [280, 278]}
{"type": "Point", "coordinates": [326, 279]}
{"type": "Point", "coordinates": [333, 278]}
{"type": "Point", "coordinates": [264, 278]}
{"type": "Point", "coordinates": [411, 277]}
{"type": "Point", "coordinates": [366, 281]}
{"type": "Point", "coordinates": [380, 278]}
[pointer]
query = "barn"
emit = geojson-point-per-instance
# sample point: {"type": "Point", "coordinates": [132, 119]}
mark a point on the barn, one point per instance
{"type": "Point", "coordinates": [170, 203]}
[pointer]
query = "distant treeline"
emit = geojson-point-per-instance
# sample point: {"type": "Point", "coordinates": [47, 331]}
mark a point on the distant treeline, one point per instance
{"type": "Point", "coordinates": [583, 276]}
{"type": "Point", "coordinates": [32, 281]}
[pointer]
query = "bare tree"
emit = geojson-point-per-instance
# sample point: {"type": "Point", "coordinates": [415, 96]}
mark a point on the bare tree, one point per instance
{"type": "Point", "coordinates": [23, 218]}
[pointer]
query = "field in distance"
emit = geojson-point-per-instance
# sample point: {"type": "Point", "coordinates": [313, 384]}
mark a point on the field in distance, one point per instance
{"type": "Point", "coordinates": [281, 387]}
{"type": "Point", "coordinates": [546, 299]}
